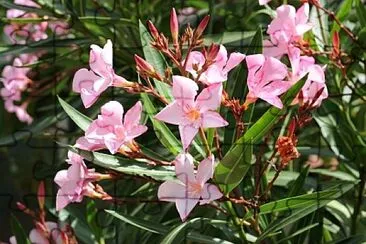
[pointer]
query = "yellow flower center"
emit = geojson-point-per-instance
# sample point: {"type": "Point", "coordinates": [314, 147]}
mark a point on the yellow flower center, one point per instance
{"type": "Point", "coordinates": [193, 115]}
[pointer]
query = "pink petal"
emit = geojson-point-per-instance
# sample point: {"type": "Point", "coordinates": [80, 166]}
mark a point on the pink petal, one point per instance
{"type": "Point", "coordinates": [100, 60]}
{"type": "Point", "coordinates": [210, 98]}
{"type": "Point", "coordinates": [273, 70]}
{"type": "Point", "coordinates": [170, 191]}
{"type": "Point", "coordinates": [172, 114]}
{"type": "Point", "coordinates": [221, 58]}
{"type": "Point", "coordinates": [185, 206]}
{"type": "Point", "coordinates": [210, 193]}
{"type": "Point", "coordinates": [62, 200]}
{"type": "Point", "coordinates": [205, 170]}
{"type": "Point", "coordinates": [81, 76]}
{"type": "Point", "coordinates": [316, 73]}
{"type": "Point", "coordinates": [12, 240]}
{"type": "Point", "coordinates": [273, 100]}
{"type": "Point", "coordinates": [184, 90]}
{"type": "Point", "coordinates": [184, 168]}
{"type": "Point", "coordinates": [36, 237]}
{"type": "Point", "coordinates": [211, 119]}
{"type": "Point", "coordinates": [262, 2]}
{"type": "Point", "coordinates": [214, 74]}
{"type": "Point", "coordinates": [112, 113]}
{"type": "Point", "coordinates": [136, 131]}
{"type": "Point", "coordinates": [187, 133]}
{"type": "Point", "coordinates": [61, 178]}
{"type": "Point", "coordinates": [195, 58]}
{"type": "Point", "coordinates": [113, 145]}
{"type": "Point", "coordinates": [84, 144]}
{"type": "Point", "coordinates": [133, 116]}
{"type": "Point", "coordinates": [234, 60]}
{"type": "Point", "coordinates": [254, 61]}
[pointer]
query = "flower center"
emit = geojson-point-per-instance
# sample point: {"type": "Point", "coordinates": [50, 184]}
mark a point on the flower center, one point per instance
{"type": "Point", "coordinates": [194, 188]}
{"type": "Point", "coordinates": [193, 115]}
{"type": "Point", "coordinates": [119, 132]}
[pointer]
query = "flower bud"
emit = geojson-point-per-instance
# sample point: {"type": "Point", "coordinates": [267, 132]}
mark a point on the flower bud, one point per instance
{"type": "Point", "coordinates": [174, 26]}
{"type": "Point", "coordinates": [41, 195]}
{"type": "Point", "coordinates": [201, 27]}
{"type": "Point", "coordinates": [144, 68]}
{"type": "Point", "coordinates": [153, 31]}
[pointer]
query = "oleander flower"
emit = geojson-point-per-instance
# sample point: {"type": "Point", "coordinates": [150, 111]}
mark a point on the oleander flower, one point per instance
{"type": "Point", "coordinates": [192, 113]}
{"type": "Point", "coordinates": [286, 29]}
{"type": "Point", "coordinates": [314, 90]}
{"type": "Point", "coordinates": [110, 130]}
{"type": "Point", "coordinates": [266, 79]}
{"type": "Point", "coordinates": [91, 83]}
{"type": "Point", "coordinates": [50, 231]}
{"type": "Point", "coordinates": [75, 182]}
{"type": "Point", "coordinates": [216, 72]}
{"type": "Point", "coordinates": [190, 188]}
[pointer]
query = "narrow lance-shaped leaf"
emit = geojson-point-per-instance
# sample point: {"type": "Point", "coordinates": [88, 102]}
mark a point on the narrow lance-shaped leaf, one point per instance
{"type": "Point", "coordinates": [158, 228]}
{"type": "Point", "coordinates": [235, 164]}
{"type": "Point", "coordinates": [301, 209]}
{"type": "Point", "coordinates": [18, 231]}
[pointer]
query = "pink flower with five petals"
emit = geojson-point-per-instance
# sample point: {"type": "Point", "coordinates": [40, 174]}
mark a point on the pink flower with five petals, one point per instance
{"type": "Point", "coordinates": [266, 79]}
{"type": "Point", "coordinates": [190, 113]}
{"type": "Point", "coordinates": [218, 71]}
{"type": "Point", "coordinates": [110, 130]}
{"type": "Point", "coordinates": [286, 29]}
{"type": "Point", "coordinates": [91, 83]}
{"type": "Point", "coordinates": [74, 183]}
{"type": "Point", "coordinates": [191, 188]}
{"type": "Point", "coordinates": [314, 87]}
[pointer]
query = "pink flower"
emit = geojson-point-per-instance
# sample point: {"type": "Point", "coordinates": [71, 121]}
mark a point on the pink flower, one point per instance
{"type": "Point", "coordinates": [74, 183]}
{"type": "Point", "coordinates": [15, 81]}
{"type": "Point", "coordinates": [110, 130]}
{"type": "Point", "coordinates": [218, 71]}
{"type": "Point", "coordinates": [191, 188]}
{"type": "Point", "coordinates": [91, 83]}
{"type": "Point", "coordinates": [190, 113]}
{"type": "Point", "coordinates": [266, 79]}
{"type": "Point", "coordinates": [286, 29]}
{"type": "Point", "coordinates": [39, 236]}
{"type": "Point", "coordinates": [262, 2]}
{"type": "Point", "coordinates": [314, 87]}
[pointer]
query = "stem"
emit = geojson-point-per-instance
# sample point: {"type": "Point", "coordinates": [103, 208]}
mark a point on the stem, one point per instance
{"type": "Point", "coordinates": [205, 142]}
{"type": "Point", "coordinates": [237, 221]}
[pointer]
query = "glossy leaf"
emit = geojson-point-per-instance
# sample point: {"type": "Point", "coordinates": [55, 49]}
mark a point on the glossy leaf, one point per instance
{"type": "Point", "coordinates": [235, 164]}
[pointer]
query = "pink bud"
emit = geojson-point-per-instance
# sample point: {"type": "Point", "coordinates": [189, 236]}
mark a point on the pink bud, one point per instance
{"type": "Point", "coordinates": [41, 195]}
{"type": "Point", "coordinates": [21, 206]}
{"type": "Point", "coordinates": [144, 68]}
{"type": "Point", "coordinates": [174, 26]}
{"type": "Point", "coordinates": [201, 27]}
{"type": "Point", "coordinates": [153, 31]}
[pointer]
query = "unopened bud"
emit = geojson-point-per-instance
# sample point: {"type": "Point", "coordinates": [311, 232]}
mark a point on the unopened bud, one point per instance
{"type": "Point", "coordinates": [286, 147]}
{"type": "Point", "coordinates": [21, 206]}
{"type": "Point", "coordinates": [41, 195]}
{"type": "Point", "coordinates": [212, 52]}
{"type": "Point", "coordinates": [153, 31]}
{"type": "Point", "coordinates": [201, 27]}
{"type": "Point", "coordinates": [174, 26]}
{"type": "Point", "coordinates": [144, 68]}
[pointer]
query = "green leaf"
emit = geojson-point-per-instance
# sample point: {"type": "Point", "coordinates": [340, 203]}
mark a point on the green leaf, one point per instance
{"type": "Point", "coordinates": [256, 44]}
{"type": "Point", "coordinates": [233, 167]}
{"type": "Point", "coordinates": [361, 12]}
{"type": "Point", "coordinates": [178, 233]}
{"type": "Point", "coordinates": [91, 219]}
{"type": "Point", "coordinates": [335, 174]}
{"type": "Point", "coordinates": [298, 232]}
{"type": "Point", "coordinates": [156, 59]}
{"type": "Point", "coordinates": [158, 228]}
{"type": "Point", "coordinates": [227, 37]}
{"type": "Point", "coordinates": [127, 166]}
{"type": "Point", "coordinates": [297, 186]}
{"type": "Point", "coordinates": [18, 231]}
{"type": "Point", "coordinates": [80, 119]}
{"type": "Point", "coordinates": [300, 206]}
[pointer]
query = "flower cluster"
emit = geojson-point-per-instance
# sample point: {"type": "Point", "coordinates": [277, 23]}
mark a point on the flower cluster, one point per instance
{"type": "Point", "coordinates": [15, 78]}
{"type": "Point", "coordinates": [197, 95]}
